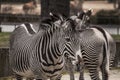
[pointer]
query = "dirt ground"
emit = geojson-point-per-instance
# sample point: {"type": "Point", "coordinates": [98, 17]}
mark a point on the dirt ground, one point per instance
{"type": "Point", "coordinates": [114, 75]}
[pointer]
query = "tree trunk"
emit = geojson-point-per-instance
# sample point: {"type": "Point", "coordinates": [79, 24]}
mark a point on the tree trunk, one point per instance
{"type": "Point", "coordinates": [119, 4]}
{"type": "Point", "coordinates": [44, 9]}
{"type": "Point", "coordinates": [54, 6]}
{"type": "Point", "coordinates": [0, 8]}
{"type": "Point", "coordinates": [5, 68]}
{"type": "Point", "coordinates": [62, 7]}
{"type": "Point", "coordinates": [0, 28]}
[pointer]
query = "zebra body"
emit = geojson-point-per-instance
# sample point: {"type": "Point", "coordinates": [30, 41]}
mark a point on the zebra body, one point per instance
{"type": "Point", "coordinates": [97, 48]}
{"type": "Point", "coordinates": [98, 51]}
{"type": "Point", "coordinates": [41, 55]}
{"type": "Point", "coordinates": [20, 43]}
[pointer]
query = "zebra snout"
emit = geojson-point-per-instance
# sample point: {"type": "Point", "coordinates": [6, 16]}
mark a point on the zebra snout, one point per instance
{"type": "Point", "coordinates": [78, 59]}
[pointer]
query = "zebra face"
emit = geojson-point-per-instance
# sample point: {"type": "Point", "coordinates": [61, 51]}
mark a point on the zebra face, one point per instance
{"type": "Point", "coordinates": [70, 39]}
{"type": "Point", "coordinates": [68, 44]}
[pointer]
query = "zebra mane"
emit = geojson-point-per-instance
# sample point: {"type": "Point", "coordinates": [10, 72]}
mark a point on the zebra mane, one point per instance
{"type": "Point", "coordinates": [45, 24]}
{"type": "Point", "coordinates": [49, 22]}
{"type": "Point", "coordinates": [30, 29]}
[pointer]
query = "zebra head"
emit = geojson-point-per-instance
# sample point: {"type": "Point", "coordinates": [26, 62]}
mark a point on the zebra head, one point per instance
{"type": "Point", "coordinates": [69, 43]}
{"type": "Point", "coordinates": [69, 33]}
{"type": "Point", "coordinates": [82, 19]}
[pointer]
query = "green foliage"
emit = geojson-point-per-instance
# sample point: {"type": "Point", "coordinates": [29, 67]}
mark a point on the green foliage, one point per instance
{"type": "Point", "coordinates": [4, 39]}
{"type": "Point", "coordinates": [106, 17]}
{"type": "Point", "coordinates": [116, 37]}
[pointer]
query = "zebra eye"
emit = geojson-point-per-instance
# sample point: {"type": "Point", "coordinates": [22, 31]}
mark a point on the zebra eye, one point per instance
{"type": "Point", "coordinates": [67, 39]}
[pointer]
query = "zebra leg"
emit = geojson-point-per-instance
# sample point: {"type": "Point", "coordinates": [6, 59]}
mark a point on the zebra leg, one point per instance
{"type": "Point", "coordinates": [81, 77]}
{"type": "Point", "coordinates": [70, 68]}
{"type": "Point", "coordinates": [71, 72]}
{"type": "Point", "coordinates": [105, 71]}
{"type": "Point", "coordinates": [94, 73]}
{"type": "Point", "coordinates": [80, 67]}
{"type": "Point", "coordinates": [18, 77]}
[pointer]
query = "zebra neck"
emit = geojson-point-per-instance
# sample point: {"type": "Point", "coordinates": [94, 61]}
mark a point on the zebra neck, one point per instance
{"type": "Point", "coordinates": [48, 48]}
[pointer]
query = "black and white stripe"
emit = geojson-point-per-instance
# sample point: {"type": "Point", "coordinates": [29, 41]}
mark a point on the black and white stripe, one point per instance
{"type": "Point", "coordinates": [98, 50]}
{"type": "Point", "coordinates": [41, 54]}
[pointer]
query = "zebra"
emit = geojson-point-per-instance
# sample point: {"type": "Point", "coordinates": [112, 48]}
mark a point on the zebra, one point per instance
{"type": "Point", "coordinates": [97, 49]}
{"type": "Point", "coordinates": [40, 55]}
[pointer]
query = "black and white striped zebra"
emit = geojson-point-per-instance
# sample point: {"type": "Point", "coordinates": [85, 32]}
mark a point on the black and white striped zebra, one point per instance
{"type": "Point", "coordinates": [97, 49]}
{"type": "Point", "coordinates": [41, 54]}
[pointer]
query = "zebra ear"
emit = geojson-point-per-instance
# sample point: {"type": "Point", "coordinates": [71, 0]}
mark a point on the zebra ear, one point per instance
{"type": "Point", "coordinates": [56, 16]}
{"type": "Point", "coordinates": [53, 16]}
{"type": "Point", "coordinates": [81, 14]}
{"type": "Point", "coordinates": [61, 17]}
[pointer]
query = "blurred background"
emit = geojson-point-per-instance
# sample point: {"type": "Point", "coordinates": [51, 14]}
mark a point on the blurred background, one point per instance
{"type": "Point", "coordinates": [13, 12]}
{"type": "Point", "coordinates": [106, 13]}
